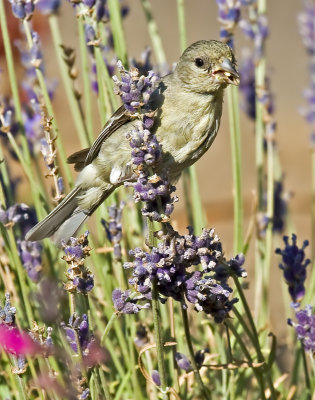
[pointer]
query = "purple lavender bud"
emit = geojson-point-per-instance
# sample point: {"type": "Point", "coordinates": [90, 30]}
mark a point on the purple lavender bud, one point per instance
{"type": "Point", "coordinates": [48, 7]}
{"type": "Point", "coordinates": [156, 377]}
{"type": "Point", "coordinates": [30, 254]}
{"type": "Point", "coordinates": [305, 327]}
{"type": "Point", "coordinates": [7, 313]}
{"type": "Point", "coordinates": [183, 362]}
{"type": "Point", "coordinates": [294, 267]}
{"type": "Point", "coordinates": [29, 8]}
{"type": "Point", "coordinates": [84, 284]}
{"type": "Point", "coordinates": [18, 8]}
{"type": "Point", "coordinates": [306, 22]}
{"type": "Point", "coordinates": [123, 304]}
{"type": "Point", "coordinates": [89, 3]}
{"type": "Point", "coordinates": [84, 395]}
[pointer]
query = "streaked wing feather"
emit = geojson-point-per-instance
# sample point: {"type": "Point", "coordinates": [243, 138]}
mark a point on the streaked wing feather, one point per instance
{"type": "Point", "coordinates": [119, 118]}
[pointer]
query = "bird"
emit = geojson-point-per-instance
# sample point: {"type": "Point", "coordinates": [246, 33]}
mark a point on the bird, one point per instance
{"type": "Point", "coordinates": [188, 107]}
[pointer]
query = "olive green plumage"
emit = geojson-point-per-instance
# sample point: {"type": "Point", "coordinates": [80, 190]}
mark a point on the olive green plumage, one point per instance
{"type": "Point", "coordinates": [188, 104]}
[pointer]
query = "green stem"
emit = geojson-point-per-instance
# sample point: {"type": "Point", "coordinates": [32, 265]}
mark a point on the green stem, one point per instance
{"type": "Point", "coordinates": [19, 381]}
{"type": "Point", "coordinates": [181, 24]}
{"type": "Point", "coordinates": [108, 327]}
{"type": "Point", "coordinates": [86, 81]}
{"type": "Point", "coordinates": [158, 338]}
{"type": "Point", "coordinates": [313, 204]}
{"type": "Point", "coordinates": [118, 30]}
{"type": "Point", "coordinates": [13, 80]}
{"type": "Point", "coordinates": [235, 136]}
{"type": "Point", "coordinates": [67, 82]}
{"type": "Point", "coordinates": [199, 220]}
{"type": "Point", "coordinates": [306, 374]}
{"type": "Point", "coordinates": [50, 109]}
{"type": "Point", "coordinates": [203, 390]}
{"type": "Point", "coordinates": [21, 277]}
{"type": "Point", "coordinates": [243, 346]}
{"type": "Point", "coordinates": [254, 337]}
{"type": "Point", "coordinates": [154, 34]}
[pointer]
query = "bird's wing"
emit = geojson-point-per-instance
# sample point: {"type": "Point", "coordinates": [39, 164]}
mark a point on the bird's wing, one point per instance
{"type": "Point", "coordinates": [86, 156]}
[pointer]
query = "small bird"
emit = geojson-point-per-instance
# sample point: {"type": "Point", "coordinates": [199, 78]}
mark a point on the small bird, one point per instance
{"type": "Point", "coordinates": [188, 107]}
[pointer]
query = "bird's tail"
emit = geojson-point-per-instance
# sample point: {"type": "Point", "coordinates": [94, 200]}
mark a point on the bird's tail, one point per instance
{"type": "Point", "coordinates": [65, 220]}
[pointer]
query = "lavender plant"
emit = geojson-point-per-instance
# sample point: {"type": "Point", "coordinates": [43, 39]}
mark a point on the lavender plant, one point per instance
{"type": "Point", "coordinates": [156, 312]}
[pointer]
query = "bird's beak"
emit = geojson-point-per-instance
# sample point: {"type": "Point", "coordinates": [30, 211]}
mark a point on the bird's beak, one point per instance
{"type": "Point", "coordinates": [226, 72]}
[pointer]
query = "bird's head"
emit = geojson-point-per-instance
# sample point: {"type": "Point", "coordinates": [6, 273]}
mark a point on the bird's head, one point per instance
{"type": "Point", "coordinates": [207, 66]}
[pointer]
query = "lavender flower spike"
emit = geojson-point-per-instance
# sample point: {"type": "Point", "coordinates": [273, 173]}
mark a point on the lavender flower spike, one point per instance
{"type": "Point", "coordinates": [294, 267]}
{"type": "Point", "coordinates": [305, 327]}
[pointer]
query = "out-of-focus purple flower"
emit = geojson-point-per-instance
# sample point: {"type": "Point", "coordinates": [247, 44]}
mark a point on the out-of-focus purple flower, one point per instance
{"type": "Point", "coordinates": [21, 366]}
{"type": "Point", "coordinates": [79, 327]}
{"type": "Point", "coordinates": [306, 23]}
{"type": "Point", "coordinates": [84, 395]}
{"type": "Point", "coordinates": [123, 304]}
{"type": "Point", "coordinates": [7, 121]}
{"type": "Point", "coordinates": [141, 338]}
{"type": "Point", "coordinates": [7, 312]}
{"type": "Point", "coordinates": [14, 214]}
{"type": "Point", "coordinates": [229, 15]}
{"type": "Point", "coordinates": [22, 9]}
{"type": "Point", "coordinates": [48, 7]}
{"type": "Point", "coordinates": [30, 254]}
{"type": "Point", "coordinates": [308, 112]}
{"type": "Point", "coordinates": [19, 214]}
{"type": "Point", "coordinates": [98, 9]}
{"type": "Point", "coordinates": [200, 356]}
{"type": "Point", "coordinates": [114, 228]}
{"type": "Point", "coordinates": [156, 377]}
{"type": "Point", "coordinates": [247, 85]}
{"type": "Point", "coordinates": [305, 327]}
{"type": "Point", "coordinates": [294, 267]}
{"type": "Point", "coordinates": [280, 207]}
{"type": "Point", "coordinates": [183, 362]}
{"type": "Point", "coordinates": [80, 278]}
{"type": "Point", "coordinates": [144, 65]}
{"type": "Point", "coordinates": [256, 30]}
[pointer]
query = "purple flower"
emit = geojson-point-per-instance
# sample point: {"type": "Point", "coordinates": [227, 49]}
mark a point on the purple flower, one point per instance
{"type": "Point", "coordinates": [156, 377]}
{"type": "Point", "coordinates": [294, 267]}
{"type": "Point", "coordinates": [247, 85]}
{"type": "Point", "coordinates": [22, 9]}
{"type": "Point", "coordinates": [306, 22]}
{"type": "Point", "coordinates": [229, 15]}
{"type": "Point", "coordinates": [144, 65]}
{"type": "Point", "coordinates": [280, 207]}
{"type": "Point", "coordinates": [30, 254]}
{"type": "Point", "coordinates": [183, 362]}
{"type": "Point", "coordinates": [114, 228]}
{"type": "Point", "coordinates": [14, 214]}
{"type": "Point", "coordinates": [256, 30]}
{"type": "Point", "coordinates": [170, 263]}
{"type": "Point", "coordinates": [7, 313]}
{"type": "Point", "coordinates": [48, 7]}
{"type": "Point", "coordinates": [80, 278]}
{"type": "Point", "coordinates": [305, 327]}
{"type": "Point", "coordinates": [134, 91]}
{"type": "Point", "coordinates": [123, 304]}
{"type": "Point", "coordinates": [79, 327]}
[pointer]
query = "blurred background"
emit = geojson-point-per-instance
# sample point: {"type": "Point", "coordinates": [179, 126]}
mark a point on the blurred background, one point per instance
{"type": "Point", "coordinates": [288, 72]}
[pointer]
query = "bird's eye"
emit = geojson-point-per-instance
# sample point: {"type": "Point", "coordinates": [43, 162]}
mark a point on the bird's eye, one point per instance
{"type": "Point", "coordinates": [199, 62]}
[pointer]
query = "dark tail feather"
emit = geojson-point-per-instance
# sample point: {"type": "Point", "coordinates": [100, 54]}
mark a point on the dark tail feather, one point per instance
{"type": "Point", "coordinates": [50, 224]}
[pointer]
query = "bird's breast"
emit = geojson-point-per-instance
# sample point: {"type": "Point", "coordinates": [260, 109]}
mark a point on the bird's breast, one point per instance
{"type": "Point", "coordinates": [185, 136]}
